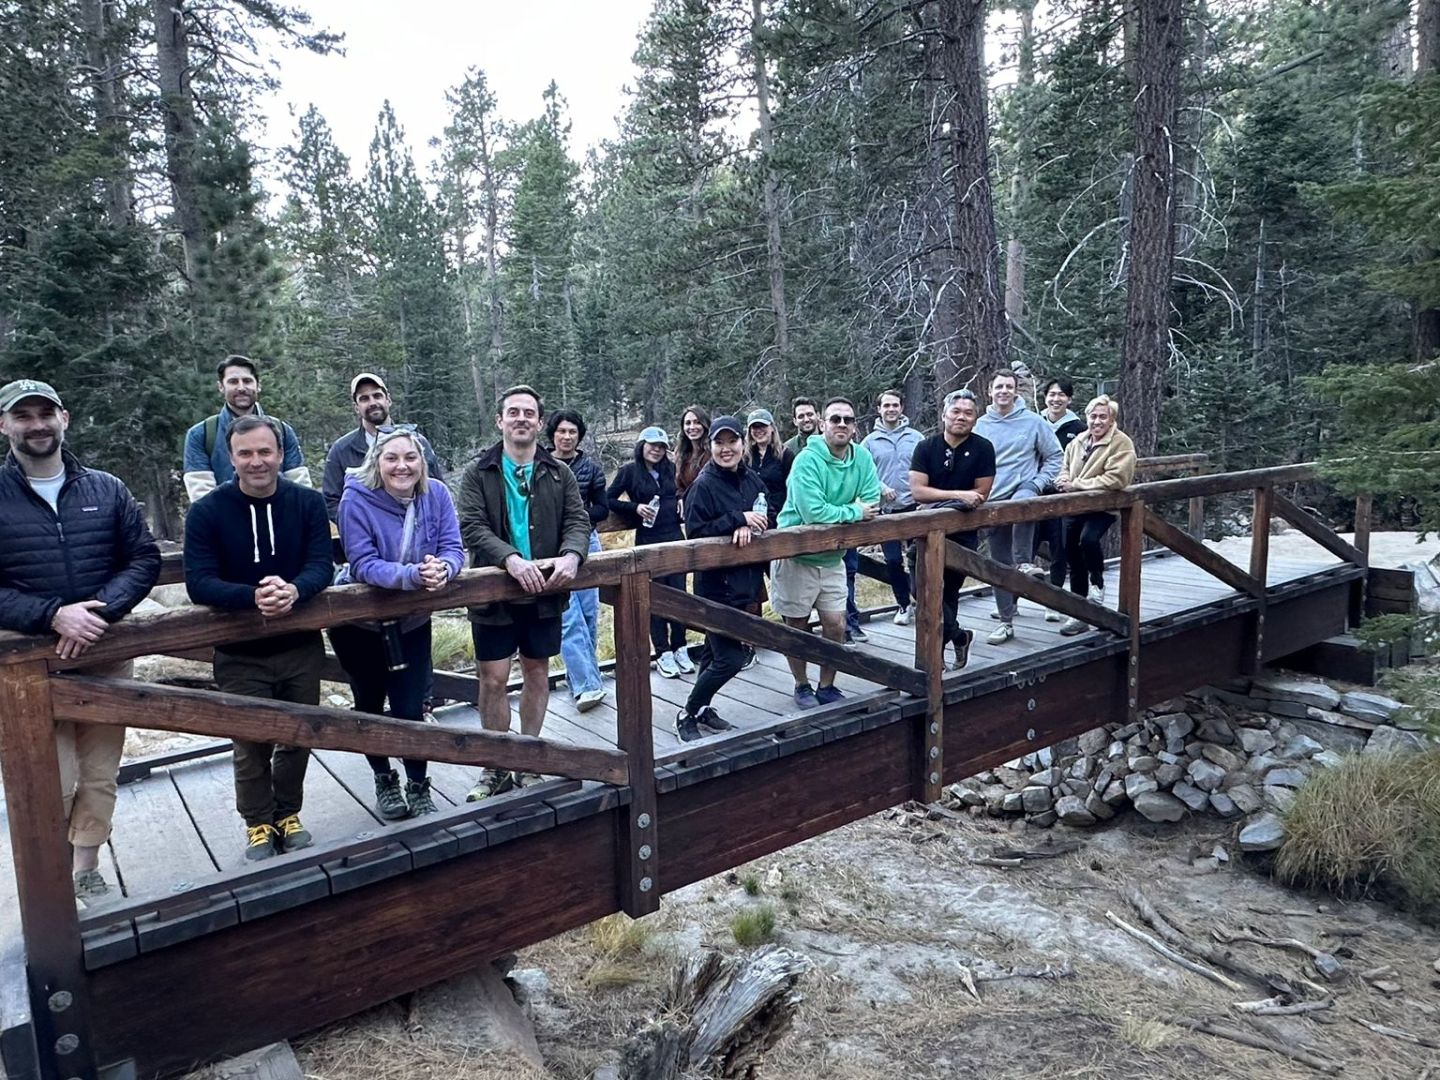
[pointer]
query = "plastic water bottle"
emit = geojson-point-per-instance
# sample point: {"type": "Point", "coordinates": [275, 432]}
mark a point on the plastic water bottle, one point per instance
{"type": "Point", "coordinates": [654, 504]}
{"type": "Point", "coordinates": [762, 506]}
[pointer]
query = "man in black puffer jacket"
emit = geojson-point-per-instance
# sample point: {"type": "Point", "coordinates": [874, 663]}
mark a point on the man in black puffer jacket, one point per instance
{"type": "Point", "coordinates": [75, 556]}
{"type": "Point", "coordinates": [721, 502]}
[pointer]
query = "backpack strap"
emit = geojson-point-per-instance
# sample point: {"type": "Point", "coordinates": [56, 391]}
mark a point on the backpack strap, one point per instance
{"type": "Point", "coordinates": [212, 434]}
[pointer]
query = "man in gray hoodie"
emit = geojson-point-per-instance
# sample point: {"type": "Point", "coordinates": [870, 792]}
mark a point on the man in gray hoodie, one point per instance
{"type": "Point", "coordinates": [1027, 461]}
{"type": "Point", "coordinates": [892, 442]}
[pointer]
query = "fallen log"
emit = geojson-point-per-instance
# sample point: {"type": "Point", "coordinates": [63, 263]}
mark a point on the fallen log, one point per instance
{"type": "Point", "coordinates": [1173, 956]}
{"type": "Point", "coordinates": [1220, 958]}
{"type": "Point", "coordinates": [1261, 1042]}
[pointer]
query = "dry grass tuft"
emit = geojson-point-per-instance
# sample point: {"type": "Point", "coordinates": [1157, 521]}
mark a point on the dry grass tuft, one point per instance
{"type": "Point", "coordinates": [450, 643]}
{"type": "Point", "coordinates": [618, 936]}
{"type": "Point", "coordinates": [753, 926]}
{"type": "Point", "coordinates": [1145, 1035]}
{"type": "Point", "coordinates": [1372, 822]}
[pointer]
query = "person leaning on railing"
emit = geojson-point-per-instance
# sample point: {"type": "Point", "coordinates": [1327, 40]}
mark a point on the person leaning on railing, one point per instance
{"type": "Point", "coordinates": [398, 528]}
{"type": "Point", "coordinates": [1101, 460]}
{"type": "Point", "coordinates": [262, 542]}
{"type": "Point", "coordinates": [75, 556]}
{"type": "Point", "coordinates": [727, 499]}
{"type": "Point", "coordinates": [1051, 531]}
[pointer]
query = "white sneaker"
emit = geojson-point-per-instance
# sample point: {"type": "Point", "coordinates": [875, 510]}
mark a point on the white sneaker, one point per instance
{"type": "Point", "coordinates": [683, 661]}
{"type": "Point", "coordinates": [1053, 616]}
{"type": "Point", "coordinates": [1073, 627]}
{"type": "Point", "coordinates": [667, 667]}
{"type": "Point", "coordinates": [1001, 634]}
{"type": "Point", "coordinates": [1098, 595]}
{"type": "Point", "coordinates": [1031, 569]}
{"type": "Point", "coordinates": [905, 616]}
{"type": "Point", "coordinates": [589, 699]}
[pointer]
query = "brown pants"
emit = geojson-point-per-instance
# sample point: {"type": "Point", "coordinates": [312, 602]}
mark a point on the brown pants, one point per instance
{"type": "Point", "coordinates": [89, 759]}
{"type": "Point", "coordinates": [269, 778]}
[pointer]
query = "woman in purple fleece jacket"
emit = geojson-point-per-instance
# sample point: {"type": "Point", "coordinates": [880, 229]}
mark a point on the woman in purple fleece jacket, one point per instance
{"type": "Point", "coordinates": [398, 528]}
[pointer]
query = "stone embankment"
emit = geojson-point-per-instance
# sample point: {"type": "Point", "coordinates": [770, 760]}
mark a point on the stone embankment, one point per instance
{"type": "Point", "coordinates": [1237, 751]}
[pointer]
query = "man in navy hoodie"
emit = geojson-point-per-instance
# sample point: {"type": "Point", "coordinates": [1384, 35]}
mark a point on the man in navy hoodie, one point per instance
{"type": "Point", "coordinates": [263, 542]}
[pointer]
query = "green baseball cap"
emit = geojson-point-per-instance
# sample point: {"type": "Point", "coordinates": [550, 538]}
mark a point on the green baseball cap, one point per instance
{"type": "Point", "coordinates": [12, 393]}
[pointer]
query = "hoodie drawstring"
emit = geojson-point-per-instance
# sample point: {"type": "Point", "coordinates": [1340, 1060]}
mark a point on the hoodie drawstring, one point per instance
{"type": "Point", "coordinates": [255, 530]}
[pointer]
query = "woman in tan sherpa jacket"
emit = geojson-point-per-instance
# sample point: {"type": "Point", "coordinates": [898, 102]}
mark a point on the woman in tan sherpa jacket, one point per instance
{"type": "Point", "coordinates": [1101, 460]}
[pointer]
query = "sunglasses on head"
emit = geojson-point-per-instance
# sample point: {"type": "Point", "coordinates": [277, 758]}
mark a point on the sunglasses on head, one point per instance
{"type": "Point", "coordinates": [395, 429]}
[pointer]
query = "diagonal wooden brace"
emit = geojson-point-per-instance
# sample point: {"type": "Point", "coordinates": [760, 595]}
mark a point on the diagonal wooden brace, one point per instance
{"type": "Point", "coordinates": [1040, 591]}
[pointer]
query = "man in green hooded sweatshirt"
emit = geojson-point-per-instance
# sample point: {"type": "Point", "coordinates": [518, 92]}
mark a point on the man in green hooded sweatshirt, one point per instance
{"type": "Point", "coordinates": [833, 481]}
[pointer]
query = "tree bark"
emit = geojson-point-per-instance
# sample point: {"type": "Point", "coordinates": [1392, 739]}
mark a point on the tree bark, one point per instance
{"type": "Point", "coordinates": [984, 342]}
{"type": "Point", "coordinates": [97, 16]}
{"type": "Point", "coordinates": [774, 250]}
{"type": "Point", "coordinates": [1427, 64]}
{"type": "Point", "coordinates": [177, 104]}
{"type": "Point", "coordinates": [1152, 223]}
{"type": "Point", "coordinates": [1019, 178]}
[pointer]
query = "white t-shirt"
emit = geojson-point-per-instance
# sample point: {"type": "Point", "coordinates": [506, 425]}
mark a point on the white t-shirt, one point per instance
{"type": "Point", "coordinates": [48, 488]}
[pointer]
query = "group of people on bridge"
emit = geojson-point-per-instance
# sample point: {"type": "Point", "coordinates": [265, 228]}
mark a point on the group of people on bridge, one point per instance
{"type": "Point", "coordinates": [258, 536]}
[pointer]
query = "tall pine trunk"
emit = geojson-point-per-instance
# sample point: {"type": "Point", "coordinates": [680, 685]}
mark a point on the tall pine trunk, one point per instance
{"type": "Point", "coordinates": [1159, 33]}
{"type": "Point", "coordinates": [984, 341]}
{"type": "Point", "coordinates": [774, 250]}
{"type": "Point", "coordinates": [97, 16]}
{"type": "Point", "coordinates": [177, 104]}
{"type": "Point", "coordinates": [1427, 65]}
{"type": "Point", "coordinates": [1019, 176]}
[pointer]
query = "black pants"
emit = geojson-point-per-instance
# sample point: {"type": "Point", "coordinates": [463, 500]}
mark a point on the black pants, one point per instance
{"type": "Point", "coordinates": [954, 581]}
{"type": "Point", "coordinates": [361, 652]}
{"type": "Point", "coordinates": [1085, 552]}
{"type": "Point", "coordinates": [721, 659]}
{"type": "Point", "coordinates": [1052, 531]}
{"type": "Point", "coordinates": [667, 635]}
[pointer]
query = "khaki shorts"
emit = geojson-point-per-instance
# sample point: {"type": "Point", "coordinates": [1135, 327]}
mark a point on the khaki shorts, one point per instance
{"type": "Point", "coordinates": [796, 588]}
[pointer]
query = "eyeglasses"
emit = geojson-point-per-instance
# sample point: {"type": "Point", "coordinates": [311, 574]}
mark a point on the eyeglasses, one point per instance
{"type": "Point", "coordinates": [837, 420]}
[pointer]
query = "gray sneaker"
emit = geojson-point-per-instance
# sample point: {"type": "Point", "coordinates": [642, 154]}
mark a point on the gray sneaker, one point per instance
{"type": "Point", "coordinates": [418, 798]}
{"type": "Point", "coordinates": [90, 886]}
{"type": "Point", "coordinates": [667, 666]}
{"type": "Point", "coordinates": [389, 803]}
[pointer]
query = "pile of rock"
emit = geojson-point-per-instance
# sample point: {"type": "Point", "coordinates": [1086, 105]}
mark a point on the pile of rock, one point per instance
{"type": "Point", "coordinates": [1233, 751]}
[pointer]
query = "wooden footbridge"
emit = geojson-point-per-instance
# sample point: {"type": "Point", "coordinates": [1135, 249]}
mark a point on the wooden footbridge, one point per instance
{"type": "Point", "coordinates": [203, 955]}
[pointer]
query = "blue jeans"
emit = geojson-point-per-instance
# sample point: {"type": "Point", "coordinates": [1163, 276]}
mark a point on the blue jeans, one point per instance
{"type": "Point", "coordinates": [579, 631]}
{"type": "Point", "coordinates": [1008, 545]}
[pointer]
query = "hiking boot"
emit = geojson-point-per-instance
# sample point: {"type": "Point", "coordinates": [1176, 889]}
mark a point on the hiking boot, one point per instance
{"type": "Point", "coordinates": [962, 645]}
{"type": "Point", "coordinates": [828, 695]}
{"type": "Point", "coordinates": [293, 835]}
{"type": "Point", "coordinates": [805, 696]}
{"type": "Point", "coordinates": [856, 635]}
{"type": "Point", "coordinates": [905, 616]}
{"type": "Point", "coordinates": [750, 658]}
{"type": "Point", "coordinates": [683, 661]}
{"type": "Point", "coordinates": [667, 666]}
{"type": "Point", "coordinates": [417, 796]}
{"type": "Point", "coordinates": [711, 720]}
{"type": "Point", "coordinates": [491, 782]}
{"type": "Point", "coordinates": [687, 727]}
{"type": "Point", "coordinates": [1073, 627]}
{"type": "Point", "coordinates": [388, 801]}
{"type": "Point", "coordinates": [1001, 634]}
{"type": "Point", "coordinates": [90, 885]}
{"type": "Point", "coordinates": [260, 841]}
{"type": "Point", "coordinates": [589, 699]}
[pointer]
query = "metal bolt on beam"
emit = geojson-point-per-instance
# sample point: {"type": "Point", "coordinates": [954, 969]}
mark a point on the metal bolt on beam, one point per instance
{"type": "Point", "coordinates": [643, 821]}
{"type": "Point", "coordinates": [934, 728]}
{"type": "Point", "coordinates": [645, 852]}
{"type": "Point", "coordinates": [934, 752]}
{"type": "Point", "coordinates": [1030, 705]}
{"type": "Point", "coordinates": [934, 778]}
{"type": "Point", "coordinates": [61, 1000]}
{"type": "Point", "coordinates": [646, 884]}
{"type": "Point", "coordinates": [67, 1043]}
{"type": "Point", "coordinates": [1030, 734]}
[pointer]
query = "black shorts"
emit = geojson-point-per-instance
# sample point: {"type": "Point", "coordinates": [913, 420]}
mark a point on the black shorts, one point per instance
{"type": "Point", "coordinates": [533, 637]}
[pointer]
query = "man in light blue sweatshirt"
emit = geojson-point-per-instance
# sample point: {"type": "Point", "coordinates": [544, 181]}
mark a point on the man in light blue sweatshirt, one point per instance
{"type": "Point", "coordinates": [1027, 460]}
{"type": "Point", "coordinates": [892, 442]}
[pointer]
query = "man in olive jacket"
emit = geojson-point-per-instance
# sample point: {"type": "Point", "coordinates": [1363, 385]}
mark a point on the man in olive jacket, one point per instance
{"type": "Point", "coordinates": [520, 509]}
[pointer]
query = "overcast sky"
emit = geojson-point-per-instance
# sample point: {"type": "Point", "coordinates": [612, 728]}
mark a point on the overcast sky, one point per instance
{"type": "Point", "coordinates": [413, 53]}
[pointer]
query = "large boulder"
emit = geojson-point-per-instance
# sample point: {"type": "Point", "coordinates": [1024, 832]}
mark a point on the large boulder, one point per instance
{"type": "Point", "coordinates": [1301, 691]}
{"type": "Point", "coordinates": [1389, 740]}
{"type": "Point", "coordinates": [1376, 708]}
{"type": "Point", "coordinates": [1265, 832]}
{"type": "Point", "coordinates": [1071, 810]}
{"type": "Point", "coordinates": [1159, 806]}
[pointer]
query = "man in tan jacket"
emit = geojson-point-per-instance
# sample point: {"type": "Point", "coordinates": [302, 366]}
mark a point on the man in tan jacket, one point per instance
{"type": "Point", "coordinates": [1103, 459]}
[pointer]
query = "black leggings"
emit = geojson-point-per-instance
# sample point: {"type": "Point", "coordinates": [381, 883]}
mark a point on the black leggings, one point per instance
{"type": "Point", "coordinates": [361, 652]}
{"type": "Point", "coordinates": [1085, 552]}
{"type": "Point", "coordinates": [667, 635]}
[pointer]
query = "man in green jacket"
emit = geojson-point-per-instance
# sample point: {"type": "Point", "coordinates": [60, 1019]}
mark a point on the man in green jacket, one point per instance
{"type": "Point", "coordinates": [520, 509]}
{"type": "Point", "coordinates": [833, 481]}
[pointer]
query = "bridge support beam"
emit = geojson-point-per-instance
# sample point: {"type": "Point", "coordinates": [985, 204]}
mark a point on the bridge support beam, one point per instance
{"type": "Point", "coordinates": [930, 659]}
{"type": "Point", "coordinates": [638, 850]}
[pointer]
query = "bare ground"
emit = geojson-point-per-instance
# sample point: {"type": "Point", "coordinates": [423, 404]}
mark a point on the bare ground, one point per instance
{"type": "Point", "coordinates": [892, 912]}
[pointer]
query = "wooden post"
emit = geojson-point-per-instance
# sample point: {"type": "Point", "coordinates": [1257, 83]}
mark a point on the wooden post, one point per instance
{"type": "Point", "coordinates": [53, 954]}
{"type": "Point", "coordinates": [1259, 569]}
{"type": "Point", "coordinates": [1132, 547]}
{"type": "Point", "coordinates": [930, 658]}
{"type": "Point", "coordinates": [639, 836]}
{"type": "Point", "coordinates": [1197, 517]}
{"type": "Point", "coordinates": [1364, 504]}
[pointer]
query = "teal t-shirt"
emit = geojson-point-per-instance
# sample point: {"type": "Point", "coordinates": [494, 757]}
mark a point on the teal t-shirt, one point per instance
{"type": "Point", "coordinates": [517, 504]}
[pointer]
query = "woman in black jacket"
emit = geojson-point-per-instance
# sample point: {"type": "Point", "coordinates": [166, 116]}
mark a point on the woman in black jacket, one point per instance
{"type": "Point", "coordinates": [764, 455]}
{"type": "Point", "coordinates": [643, 495]}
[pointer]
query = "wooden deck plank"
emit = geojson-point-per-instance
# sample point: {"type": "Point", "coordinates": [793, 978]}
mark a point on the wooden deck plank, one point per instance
{"type": "Point", "coordinates": [144, 812]}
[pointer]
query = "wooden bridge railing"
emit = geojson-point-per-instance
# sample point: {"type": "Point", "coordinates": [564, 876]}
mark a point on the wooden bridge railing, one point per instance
{"type": "Point", "coordinates": [32, 698]}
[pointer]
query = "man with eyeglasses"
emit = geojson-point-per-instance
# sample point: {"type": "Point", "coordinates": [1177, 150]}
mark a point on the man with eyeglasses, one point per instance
{"type": "Point", "coordinates": [955, 468]}
{"type": "Point", "coordinates": [520, 509]}
{"type": "Point", "coordinates": [1027, 461]}
{"type": "Point", "coordinates": [833, 481]}
{"type": "Point", "coordinates": [371, 400]}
